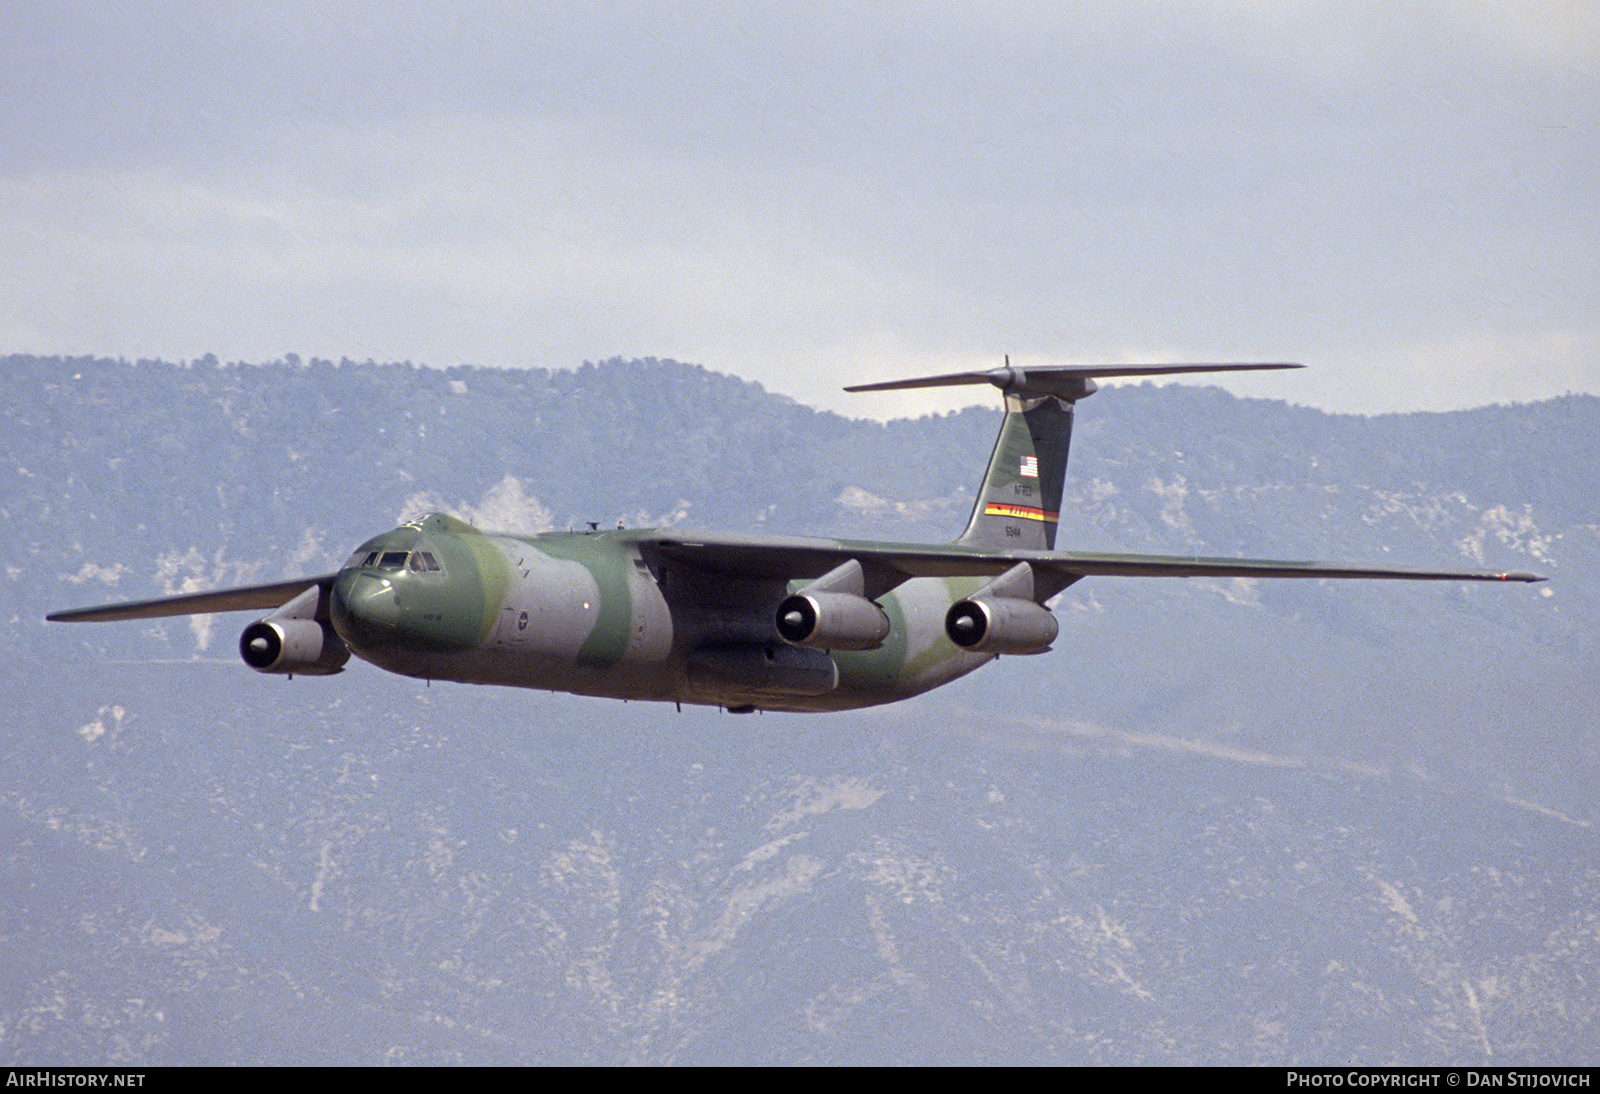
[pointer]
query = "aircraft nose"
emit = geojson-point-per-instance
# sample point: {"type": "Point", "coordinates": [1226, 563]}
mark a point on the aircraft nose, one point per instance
{"type": "Point", "coordinates": [364, 610]}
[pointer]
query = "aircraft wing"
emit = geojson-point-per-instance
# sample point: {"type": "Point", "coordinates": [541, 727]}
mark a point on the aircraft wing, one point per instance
{"type": "Point", "coordinates": [1115, 565]}
{"type": "Point", "coordinates": [247, 598]}
{"type": "Point", "coordinates": [888, 564]}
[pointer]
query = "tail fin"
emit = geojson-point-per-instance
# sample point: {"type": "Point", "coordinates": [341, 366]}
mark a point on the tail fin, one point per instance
{"type": "Point", "coordinates": [1019, 504]}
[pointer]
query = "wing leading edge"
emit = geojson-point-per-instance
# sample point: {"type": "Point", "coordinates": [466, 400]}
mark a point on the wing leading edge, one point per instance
{"type": "Point", "coordinates": [796, 558]}
{"type": "Point", "coordinates": [244, 599]}
{"type": "Point", "coordinates": [1113, 565]}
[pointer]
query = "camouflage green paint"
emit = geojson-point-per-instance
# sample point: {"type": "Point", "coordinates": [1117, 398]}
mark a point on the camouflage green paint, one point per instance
{"type": "Point", "coordinates": [609, 563]}
{"type": "Point", "coordinates": [453, 608]}
{"type": "Point", "coordinates": [917, 654]}
{"type": "Point", "coordinates": [465, 608]}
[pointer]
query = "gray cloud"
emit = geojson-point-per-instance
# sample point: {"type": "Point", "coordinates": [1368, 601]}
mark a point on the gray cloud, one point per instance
{"type": "Point", "coordinates": [797, 194]}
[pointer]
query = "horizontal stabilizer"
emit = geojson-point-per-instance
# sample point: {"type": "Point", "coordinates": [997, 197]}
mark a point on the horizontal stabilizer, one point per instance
{"type": "Point", "coordinates": [1070, 382]}
{"type": "Point", "coordinates": [250, 598]}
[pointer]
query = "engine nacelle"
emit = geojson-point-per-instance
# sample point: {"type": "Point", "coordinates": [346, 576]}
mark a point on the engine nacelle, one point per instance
{"type": "Point", "coordinates": [1000, 625]}
{"type": "Point", "coordinates": [832, 621]}
{"type": "Point", "coordinates": [293, 646]}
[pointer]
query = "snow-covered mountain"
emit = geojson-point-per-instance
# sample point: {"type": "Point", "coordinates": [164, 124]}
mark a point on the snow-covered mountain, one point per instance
{"type": "Point", "coordinates": [1221, 822]}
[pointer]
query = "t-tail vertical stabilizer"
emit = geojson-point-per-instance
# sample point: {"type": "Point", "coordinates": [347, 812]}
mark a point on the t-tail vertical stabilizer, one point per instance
{"type": "Point", "coordinates": [1019, 503]}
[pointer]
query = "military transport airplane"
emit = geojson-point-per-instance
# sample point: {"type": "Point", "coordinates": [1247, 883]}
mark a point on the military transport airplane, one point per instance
{"type": "Point", "coordinates": [737, 621]}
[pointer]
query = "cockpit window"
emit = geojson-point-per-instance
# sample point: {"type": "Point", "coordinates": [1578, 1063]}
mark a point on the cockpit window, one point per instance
{"type": "Point", "coordinates": [423, 562]}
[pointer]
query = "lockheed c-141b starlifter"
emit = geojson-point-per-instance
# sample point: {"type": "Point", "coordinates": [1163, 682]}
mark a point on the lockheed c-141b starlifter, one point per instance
{"type": "Point", "coordinates": [737, 621]}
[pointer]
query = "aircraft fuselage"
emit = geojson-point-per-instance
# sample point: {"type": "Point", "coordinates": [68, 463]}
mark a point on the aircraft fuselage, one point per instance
{"type": "Point", "coordinates": [600, 613]}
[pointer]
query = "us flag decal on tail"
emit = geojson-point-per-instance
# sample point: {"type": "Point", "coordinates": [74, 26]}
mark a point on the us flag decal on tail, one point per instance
{"type": "Point", "coordinates": [1029, 468]}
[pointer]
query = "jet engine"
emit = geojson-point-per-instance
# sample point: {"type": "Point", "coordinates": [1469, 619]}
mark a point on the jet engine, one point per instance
{"type": "Point", "coordinates": [293, 646]}
{"type": "Point", "coordinates": [834, 613]}
{"type": "Point", "coordinates": [1003, 617]}
{"type": "Point", "coordinates": [1000, 625]}
{"type": "Point", "coordinates": [294, 640]}
{"type": "Point", "coordinates": [832, 621]}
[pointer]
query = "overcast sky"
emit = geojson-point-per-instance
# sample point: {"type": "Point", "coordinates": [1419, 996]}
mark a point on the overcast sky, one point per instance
{"type": "Point", "coordinates": [1401, 196]}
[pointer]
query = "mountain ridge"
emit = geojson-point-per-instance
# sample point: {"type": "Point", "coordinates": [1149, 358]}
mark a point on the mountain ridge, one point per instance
{"type": "Point", "coordinates": [1222, 823]}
